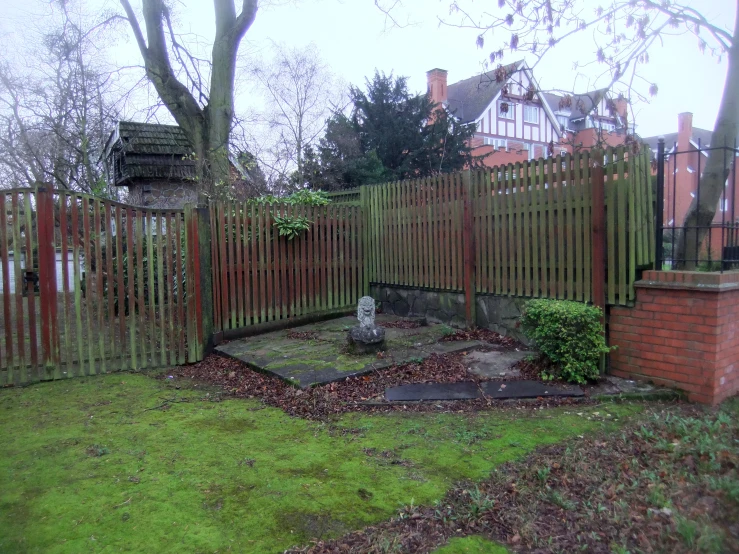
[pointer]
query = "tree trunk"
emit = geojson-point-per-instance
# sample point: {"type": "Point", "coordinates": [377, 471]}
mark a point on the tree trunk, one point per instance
{"type": "Point", "coordinates": [712, 182]}
{"type": "Point", "coordinates": [207, 128]}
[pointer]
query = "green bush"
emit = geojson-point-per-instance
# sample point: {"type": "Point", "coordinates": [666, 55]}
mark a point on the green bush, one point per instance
{"type": "Point", "coordinates": [569, 333]}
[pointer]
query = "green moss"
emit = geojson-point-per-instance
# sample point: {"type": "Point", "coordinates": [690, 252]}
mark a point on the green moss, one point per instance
{"type": "Point", "coordinates": [202, 476]}
{"type": "Point", "coordinates": [471, 545]}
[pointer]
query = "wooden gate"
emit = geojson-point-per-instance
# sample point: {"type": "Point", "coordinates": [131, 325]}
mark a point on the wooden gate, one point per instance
{"type": "Point", "coordinates": [91, 286]}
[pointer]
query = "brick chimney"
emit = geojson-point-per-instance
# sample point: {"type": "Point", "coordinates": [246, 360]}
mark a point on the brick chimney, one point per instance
{"type": "Point", "coordinates": [622, 107]}
{"type": "Point", "coordinates": [684, 130]}
{"type": "Point", "coordinates": [436, 79]}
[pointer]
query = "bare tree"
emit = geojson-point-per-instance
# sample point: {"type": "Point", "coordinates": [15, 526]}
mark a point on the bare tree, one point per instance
{"type": "Point", "coordinates": [623, 32]}
{"type": "Point", "coordinates": [56, 111]}
{"type": "Point", "coordinates": [300, 93]}
{"type": "Point", "coordinates": [202, 107]}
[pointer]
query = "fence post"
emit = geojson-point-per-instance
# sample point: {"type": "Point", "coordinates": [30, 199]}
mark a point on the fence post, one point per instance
{"type": "Point", "coordinates": [365, 211]}
{"type": "Point", "coordinates": [47, 276]}
{"type": "Point", "coordinates": [468, 254]}
{"type": "Point", "coordinates": [203, 251]}
{"type": "Point", "coordinates": [598, 236]}
{"type": "Point", "coordinates": [659, 252]}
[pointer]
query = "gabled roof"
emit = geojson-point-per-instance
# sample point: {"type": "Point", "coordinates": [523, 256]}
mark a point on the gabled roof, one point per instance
{"type": "Point", "coordinates": [582, 104]}
{"type": "Point", "coordinates": [468, 99]}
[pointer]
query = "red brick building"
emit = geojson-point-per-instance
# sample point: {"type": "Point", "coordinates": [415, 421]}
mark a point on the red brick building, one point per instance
{"type": "Point", "coordinates": [682, 173]}
{"type": "Point", "coordinates": [514, 125]}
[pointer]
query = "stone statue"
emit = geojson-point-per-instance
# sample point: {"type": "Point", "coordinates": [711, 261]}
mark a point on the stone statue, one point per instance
{"type": "Point", "coordinates": [367, 337]}
{"type": "Point", "coordinates": [366, 311]}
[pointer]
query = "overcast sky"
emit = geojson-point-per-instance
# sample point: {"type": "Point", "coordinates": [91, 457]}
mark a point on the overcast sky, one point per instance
{"type": "Point", "coordinates": [354, 39]}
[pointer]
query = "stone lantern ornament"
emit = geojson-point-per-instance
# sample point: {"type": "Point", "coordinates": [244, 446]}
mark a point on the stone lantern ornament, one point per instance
{"type": "Point", "coordinates": [367, 337]}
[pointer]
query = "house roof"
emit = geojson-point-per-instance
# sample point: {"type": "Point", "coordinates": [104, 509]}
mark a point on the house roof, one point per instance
{"type": "Point", "coordinates": [582, 104]}
{"type": "Point", "coordinates": [671, 139]}
{"type": "Point", "coordinates": [468, 99]}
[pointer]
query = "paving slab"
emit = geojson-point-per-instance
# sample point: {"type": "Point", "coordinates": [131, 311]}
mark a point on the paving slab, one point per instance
{"type": "Point", "coordinates": [466, 390]}
{"type": "Point", "coordinates": [527, 389]}
{"type": "Point", "coordinates": [494, 364]}
{"type": "Point", "coordinates": [469, 390]}
{"type": "Point", "coordinates": [322, 357]}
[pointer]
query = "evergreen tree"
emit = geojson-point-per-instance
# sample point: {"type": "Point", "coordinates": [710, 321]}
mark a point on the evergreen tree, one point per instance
{"type": "Point", "coordinates": [390, 135]}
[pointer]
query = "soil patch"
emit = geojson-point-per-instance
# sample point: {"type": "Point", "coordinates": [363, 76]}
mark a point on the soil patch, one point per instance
{"type": "Point", "coordinates": [493, 339]}
{"type": "Point", "coordinates": [668, 483]}
{"type": "Point", "coordinates": [363, 393]}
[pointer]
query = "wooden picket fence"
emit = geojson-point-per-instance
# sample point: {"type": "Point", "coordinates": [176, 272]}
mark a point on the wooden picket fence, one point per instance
{"type": "Point", "coordinates": [414, 233]}
{"type": "Point", "coordinates": [91, 286]}
{"type": "Point", "coordinates": [260, 277]}
{"type": "Point", "coordinates": [535, 228]}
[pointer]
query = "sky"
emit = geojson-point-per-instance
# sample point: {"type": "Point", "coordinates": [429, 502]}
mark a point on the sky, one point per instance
{"type": "Point", "coordinates": [354, 38]}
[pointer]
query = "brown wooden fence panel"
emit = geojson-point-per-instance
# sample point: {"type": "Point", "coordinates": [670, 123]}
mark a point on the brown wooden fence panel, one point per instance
{"type": "Point", "coordinates": [90, 286]}
{"type": "Point", "coordinates": [265, 277]}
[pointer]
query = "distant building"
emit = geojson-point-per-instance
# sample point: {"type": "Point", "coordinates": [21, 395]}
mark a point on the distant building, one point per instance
{"type": "Point", "coordinates": [682, 171]}
{"type": "Point", "coordinates": [19, 281]}
{"type": "Point", "coordinates": [514, 124]}
{"type": "Point", "coordinates": [682, 174]}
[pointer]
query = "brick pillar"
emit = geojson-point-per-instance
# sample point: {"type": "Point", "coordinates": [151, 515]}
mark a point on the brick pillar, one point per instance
{"type": "Point", "coordinates": [683, 332]}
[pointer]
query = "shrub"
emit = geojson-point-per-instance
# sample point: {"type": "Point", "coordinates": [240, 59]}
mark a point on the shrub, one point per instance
{"type": "Point", "coordinates": [569, 333]}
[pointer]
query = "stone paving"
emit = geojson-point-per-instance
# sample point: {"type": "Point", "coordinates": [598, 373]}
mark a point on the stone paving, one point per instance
{"type": "Point", "coordinates": [496, 365]}
{"type": "Point", "coordinates": [468, 390]}
{"type": "Point", "coordinates": [323, 357]}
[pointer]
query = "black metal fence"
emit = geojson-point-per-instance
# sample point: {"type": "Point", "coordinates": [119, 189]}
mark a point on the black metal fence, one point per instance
{"type": "Point", "coordinates": [679, 180]}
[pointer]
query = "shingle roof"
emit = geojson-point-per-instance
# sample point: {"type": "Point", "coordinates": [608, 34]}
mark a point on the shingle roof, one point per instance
{"type": "Point", "coordinates": [468, 99]}
{"type": "Point", "coordinates": [152, 138]}
{"type": "Point", "coordinates": [151, 151]}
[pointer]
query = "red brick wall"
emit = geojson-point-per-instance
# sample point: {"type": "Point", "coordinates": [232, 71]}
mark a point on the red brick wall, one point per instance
{"type": "Point", "coordinates": [682, 332]}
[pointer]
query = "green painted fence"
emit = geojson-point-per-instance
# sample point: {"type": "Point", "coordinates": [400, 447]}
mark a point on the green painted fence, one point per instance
{"type": "Point", "coordinates": [533, 229]}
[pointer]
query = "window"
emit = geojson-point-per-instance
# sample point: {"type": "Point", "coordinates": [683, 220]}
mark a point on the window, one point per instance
{"type": "Point", "coordinates": [724, 205]}
{"type": "Point", "coordinates": [563, 121]}
{"type": "Point", "coordinates": [531, 114]}
{"type": "Point", "coordinates": [497, 142]}
{"type": "Point", "coordinates": [529, 149]}
{"type": "Point", "coordinates": [610, 127]}
{"type": "Point", "coordinates": [506, 110]}
{"type": "Point", "coordinates": [562, 152]}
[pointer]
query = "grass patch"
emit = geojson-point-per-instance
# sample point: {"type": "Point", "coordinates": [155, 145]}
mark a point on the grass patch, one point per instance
{"type": "Point", "coordinates": [124, 462]}
{"type": "Point", "coordinates": [471, 545]}
{"type": "Point", "coordinates": [665, 483]}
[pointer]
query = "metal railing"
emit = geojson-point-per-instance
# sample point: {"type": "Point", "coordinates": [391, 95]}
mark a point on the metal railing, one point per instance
{"type": "Point", "coordinates": [680, 182]}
